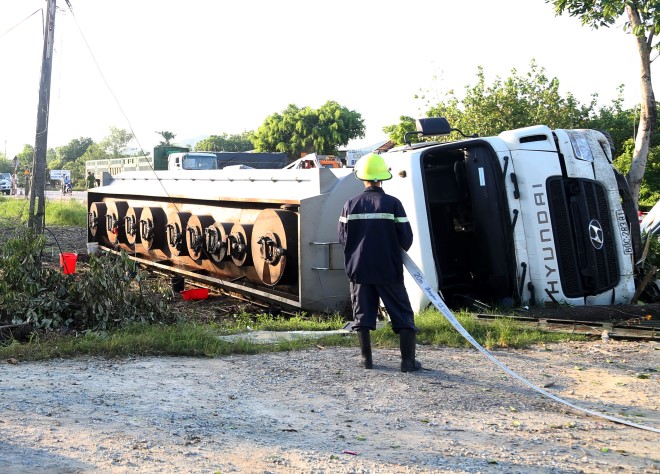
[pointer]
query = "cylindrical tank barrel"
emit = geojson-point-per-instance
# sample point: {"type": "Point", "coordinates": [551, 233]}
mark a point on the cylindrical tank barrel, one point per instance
{"type": "Point", "coordinates": [195, 231]}
{"type": "Point", "coordinates": [238, 242]}
{"type": "Point", "coordinates": [132, 225]}
{"type": "Point", "coordinates": [96, 219]}
{"type": "Point", "coordinates": [215, 240]}
{"type": "Point", "coordinates": [274, 246]}
{"type": "Point", "coordinates": [114, 221]}
{"type": "Point", "coordinates": [175, 232]}
{"type": "Point", "coordinates": [152, 225]}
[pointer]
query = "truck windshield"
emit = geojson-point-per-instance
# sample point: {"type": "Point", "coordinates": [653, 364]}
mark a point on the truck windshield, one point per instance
{"type": "Point", "coordinates": [200, 162]}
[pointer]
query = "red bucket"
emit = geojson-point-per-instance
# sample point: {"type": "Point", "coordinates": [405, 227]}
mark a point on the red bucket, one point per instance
{"type": "Point", "coordinates": [68, 262]}
{"type": "Point", "coordinates": [195, 294]}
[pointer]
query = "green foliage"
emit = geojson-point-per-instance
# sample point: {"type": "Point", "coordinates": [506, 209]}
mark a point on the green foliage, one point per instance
{"type": "Point", "coordinates": [6, 166]}
{"type": "Point", "coordinates": [68, 157]}
{"type": "Point", "coordinates": [70, 213]}
{"type": "Point", "coordinates": [604, 13]}
{"type": "Point", "coordinates": [29, 292]}
{"type": "Point", "coordinates": [167, 138]}
{"type": "Point", "coordinates": [398, 131]}
{"type": "Point", "coordinates": [297, 130]}
{"type": "Point", "coordinates": [70, 152]}
{"type": "Point", "coordinates": [110, 293]}
{"type": "Point", "coordinates": [642, 21]}
{"type": "Point", "coordinates": [192, 339]}
{"type": "Point", "coordinates": [115, 293]}
{"type": "Point", "coordinates": [649, 192]}
{"type": "Point", "coordinates": [520, 101]}
{"type": "Point", "coordinates": [299, 322]}
{"type": "Point", "coordinates": [615, 120]}
{"type": "Point", "coordinates": [226, 142]}
{"type": "Point", "coordinates": [515, 102]}
{"type": "Point", "coordinates": [653, 255]}
{"type": "Point", "coordinates": [117, 142]}
{"type": "Point", "coordinates": [95, 152]}
{"type": "Point", "coordinates": [502, 332]}
{"type": "Point", "coordinates": [25, 163]}
{"type": "Point", "coordinates": [64, 213]}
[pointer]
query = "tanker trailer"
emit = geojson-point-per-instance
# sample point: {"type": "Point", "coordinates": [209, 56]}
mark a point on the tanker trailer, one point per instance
{"type": "Point", "coordinates": [528, 217]}
{"type": "Point", "coordinates": [268, 233]}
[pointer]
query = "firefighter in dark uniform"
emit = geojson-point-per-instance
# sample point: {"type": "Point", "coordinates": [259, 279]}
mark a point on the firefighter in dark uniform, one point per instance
{"type": "Point", "coordinates": [373, 228]}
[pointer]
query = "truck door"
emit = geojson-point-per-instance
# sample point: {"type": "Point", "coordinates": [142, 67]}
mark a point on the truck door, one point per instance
{"type": "Point", "coordinates": [469, 222]}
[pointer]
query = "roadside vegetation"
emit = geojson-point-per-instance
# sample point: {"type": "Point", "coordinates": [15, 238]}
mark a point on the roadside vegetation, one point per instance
{"type": "Point", "coordinates": [58, 213]}
{"type": "Point", "coordinates": [189, 338]}
{"type": "Point", "coordinates": [112, 308]}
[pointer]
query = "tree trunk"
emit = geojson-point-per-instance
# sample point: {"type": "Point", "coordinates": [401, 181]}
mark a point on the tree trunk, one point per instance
{"type": "Point", "coordinates": [649, 112]}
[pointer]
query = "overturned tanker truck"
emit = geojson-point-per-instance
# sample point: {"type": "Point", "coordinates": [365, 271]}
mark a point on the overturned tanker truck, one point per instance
{"type": "Point", "coordinates": [528, 217]}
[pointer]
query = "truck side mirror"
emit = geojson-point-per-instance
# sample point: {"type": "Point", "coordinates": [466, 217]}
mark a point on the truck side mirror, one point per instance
{"type": "Point", "coordinates": [429, 126]}
{"type": "Point", "coordinates": [433, 126]}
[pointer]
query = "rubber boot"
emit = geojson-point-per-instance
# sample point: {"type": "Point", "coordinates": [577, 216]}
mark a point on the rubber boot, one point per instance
{"type": "Point", "coordinates": [408, 341]}
{"type": "Point", "coordinates": [364, 336]}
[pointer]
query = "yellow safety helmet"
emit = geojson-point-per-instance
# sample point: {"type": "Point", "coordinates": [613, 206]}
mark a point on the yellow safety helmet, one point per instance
{"type": "Point", "coordinates": [372, 167]}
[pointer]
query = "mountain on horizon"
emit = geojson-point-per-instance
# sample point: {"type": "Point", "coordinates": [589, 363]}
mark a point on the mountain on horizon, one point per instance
{"type": "Point", "coordinates": [191, 141]}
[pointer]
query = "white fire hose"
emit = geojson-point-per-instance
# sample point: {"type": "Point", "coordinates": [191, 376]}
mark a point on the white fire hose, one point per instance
{"type": "Point", "coordinates": [437, 301]}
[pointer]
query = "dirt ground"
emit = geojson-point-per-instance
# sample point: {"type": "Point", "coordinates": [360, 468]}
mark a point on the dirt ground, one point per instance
{"type": "Point", "coordinates": [316, 411]}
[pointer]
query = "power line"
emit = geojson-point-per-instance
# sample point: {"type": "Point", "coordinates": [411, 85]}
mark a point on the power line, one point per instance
{"type": "Point", "coordinates": [23, 21]}
{"type": "Point", "coordinates": [103, 76]}
{"type": "Point", "coordinates": [130, 126]}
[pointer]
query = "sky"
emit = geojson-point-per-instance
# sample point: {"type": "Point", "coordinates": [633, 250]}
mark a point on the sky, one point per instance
{"type": "Point", "coordinates": [208, 67]}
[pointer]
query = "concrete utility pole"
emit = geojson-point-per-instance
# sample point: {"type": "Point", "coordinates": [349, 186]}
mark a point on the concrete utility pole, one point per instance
{"type": "Point", "coordinates": [38, 177]}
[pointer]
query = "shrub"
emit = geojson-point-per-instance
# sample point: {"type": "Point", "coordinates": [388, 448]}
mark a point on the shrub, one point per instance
{"type": "Point", "coordinates": [111, 292]}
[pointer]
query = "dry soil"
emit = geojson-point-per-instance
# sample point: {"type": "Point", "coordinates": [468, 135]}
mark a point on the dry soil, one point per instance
{"type": "Point", "coordinates": [316, 411]}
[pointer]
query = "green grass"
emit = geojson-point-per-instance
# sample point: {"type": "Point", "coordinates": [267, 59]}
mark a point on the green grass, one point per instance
{"type": "Point", "coordinates": [184, 339]}
{"type": "Point", "coordinates": [63, 213]}
{"type": "Point", "coordinates": [299, 322]}
{"type": "Point", "coordinates": [435, 330]}
{"type": "Point", "coordinates": [201, 340]}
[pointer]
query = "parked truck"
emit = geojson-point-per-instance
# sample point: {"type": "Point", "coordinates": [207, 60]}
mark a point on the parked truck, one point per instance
{"type": "Point", "coordinates": [172, 157]}
{"type": "Point", "coordinates": [523, 218]}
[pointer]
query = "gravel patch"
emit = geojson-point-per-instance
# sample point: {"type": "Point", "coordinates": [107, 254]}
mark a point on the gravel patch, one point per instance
{"type": "Point", "coordinates": [316, 411]}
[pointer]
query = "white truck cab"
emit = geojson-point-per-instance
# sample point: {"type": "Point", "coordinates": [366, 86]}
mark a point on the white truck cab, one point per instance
{"type": "Point", "coordinates": [192, 161]}
{"type": "Point", "coordinates": [528, 217]}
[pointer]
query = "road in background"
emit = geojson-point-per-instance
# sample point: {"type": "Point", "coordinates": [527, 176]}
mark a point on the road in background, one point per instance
{"type": "Point", "coordinates": [56, 195]}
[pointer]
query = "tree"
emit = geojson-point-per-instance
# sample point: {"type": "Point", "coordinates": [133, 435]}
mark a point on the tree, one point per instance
{"type": "Point", "coordinates": [617, 121]}
{"type": "Point", "coordinates": [297, 130]}
{"type": "Point", "coordinates": [515, 102]}
{"type": "Point", "coordinates": [167, 138]}
{"type": "Point", "coordinates": [649, 191]}
{"type": "Point", "coordinates": [397, 132]}
{"type": "Point", "coordinates": [67, 154]}
{"type": "Point", "coordinates": [225, 142]}
{"type": "Point", "coordinates": [6, 165]}
{"type": "Point", "coordinates": [644, 23]}
{"type": "Point", "coordinates": [117, 142]}
{"type": "Point", "coordinates": [95, 152]}
{"type": "Point", "coordinates": [25, 159]}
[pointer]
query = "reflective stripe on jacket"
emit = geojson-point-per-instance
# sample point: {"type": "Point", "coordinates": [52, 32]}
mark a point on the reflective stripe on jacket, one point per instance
{"type": "Point", "coordinates": [373, 227]}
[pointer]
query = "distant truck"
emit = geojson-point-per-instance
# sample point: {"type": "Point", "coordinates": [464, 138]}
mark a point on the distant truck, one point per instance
{"type": "Point", "coordinates": [218, 160]}
{"type": "Point", "coordinates": [316, 161]}
{"type": "Point", "coordinates": [167, 157]}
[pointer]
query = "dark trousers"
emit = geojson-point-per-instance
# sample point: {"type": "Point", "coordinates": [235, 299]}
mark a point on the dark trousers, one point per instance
{"type": "Point", "coordinates": [365, 300]}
